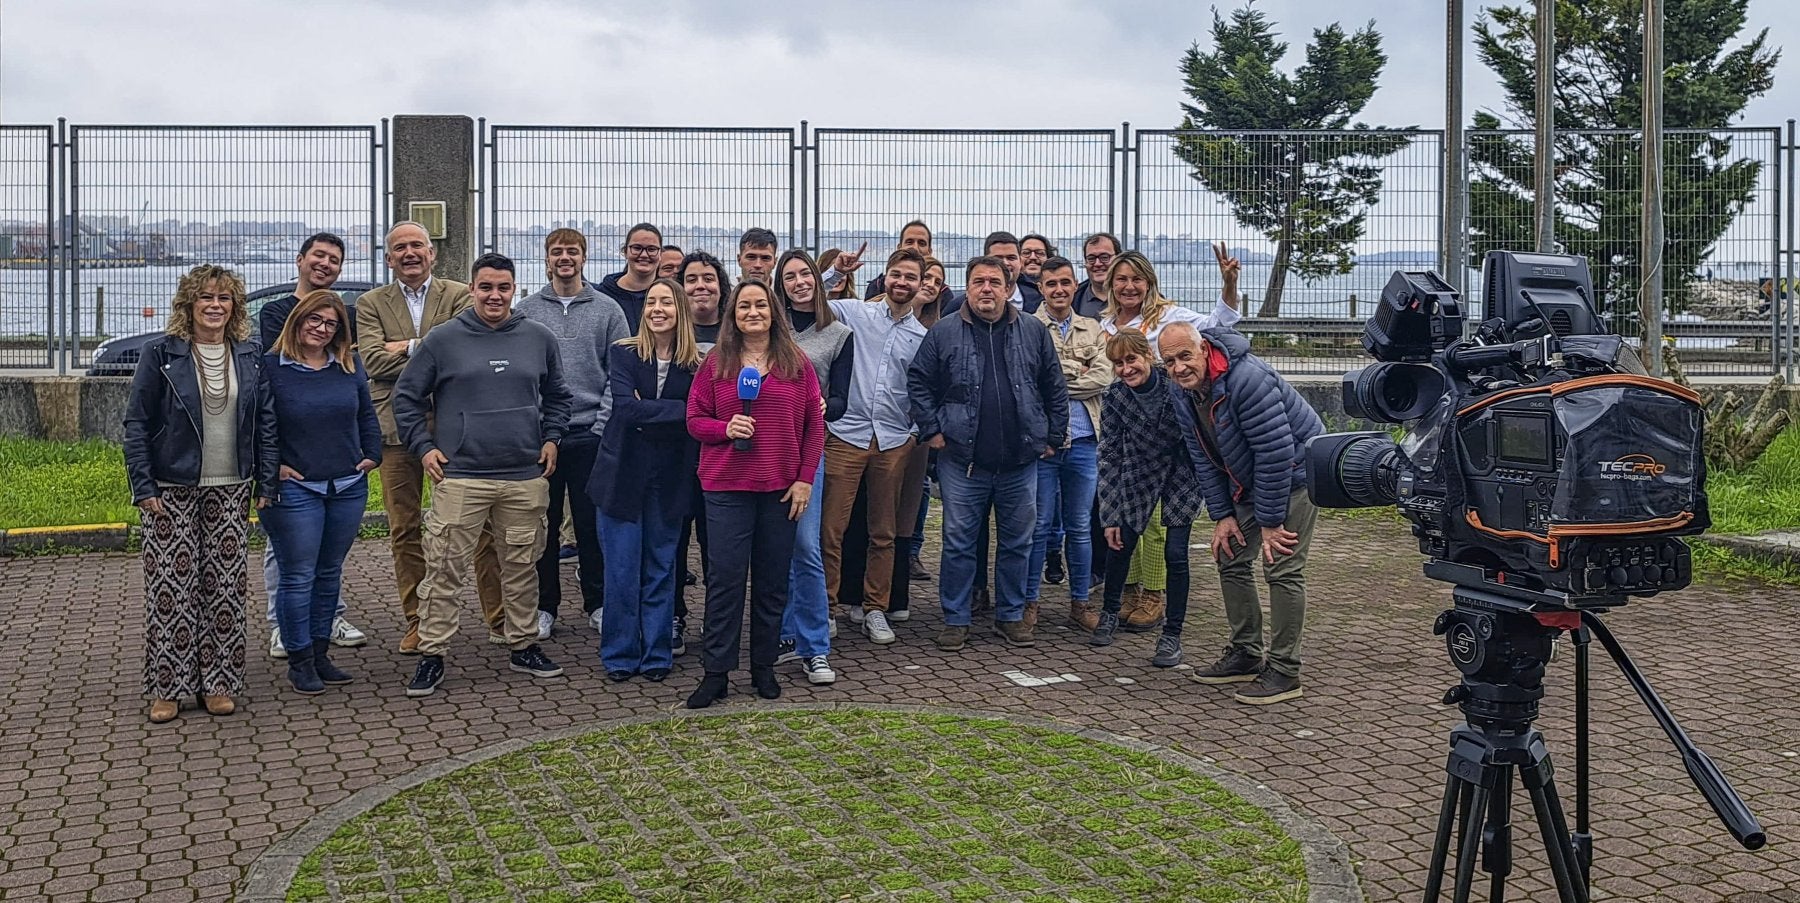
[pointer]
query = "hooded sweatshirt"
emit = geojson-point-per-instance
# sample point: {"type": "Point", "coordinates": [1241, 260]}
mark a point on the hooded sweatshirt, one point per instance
{"type": "Point", "coordinates": [632, 303]}
{"type": "Point", "coordinates": [585, 331]}
{"type": "Point", "coordinates": [497, 393]}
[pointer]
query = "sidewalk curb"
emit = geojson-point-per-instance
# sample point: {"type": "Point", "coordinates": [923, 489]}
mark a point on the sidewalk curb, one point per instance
{"type": "Point", "coordinates": [1761, 546]}
{"type": "Point", "coordinates": [103, 537]}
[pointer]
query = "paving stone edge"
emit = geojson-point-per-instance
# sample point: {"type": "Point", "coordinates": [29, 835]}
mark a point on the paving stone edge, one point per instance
{"type": "Point", "coordinates": [1330, 876]}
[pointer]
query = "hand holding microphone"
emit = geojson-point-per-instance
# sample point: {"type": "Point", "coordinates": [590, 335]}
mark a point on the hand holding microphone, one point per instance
{"type": "Point", "coordinates": [742, 426]}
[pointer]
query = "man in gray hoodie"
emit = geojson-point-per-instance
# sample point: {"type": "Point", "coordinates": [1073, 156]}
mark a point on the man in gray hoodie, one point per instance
{"type": "Point", "coordinates": [483, 406]}
{"type": "Point", "coordinates": [586, 324]}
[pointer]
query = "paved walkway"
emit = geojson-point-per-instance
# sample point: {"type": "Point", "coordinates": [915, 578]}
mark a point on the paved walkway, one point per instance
{"type": "Point", "coordinates": [96, 804]}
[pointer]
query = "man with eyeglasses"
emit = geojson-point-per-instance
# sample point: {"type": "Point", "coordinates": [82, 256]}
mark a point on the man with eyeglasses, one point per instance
{"type": "Point", "coordinates": [1097, 254]}
{"type": "Point", "coordinates": [643, 249]}
{"type": "Point", "coordinates": [1034, 249]}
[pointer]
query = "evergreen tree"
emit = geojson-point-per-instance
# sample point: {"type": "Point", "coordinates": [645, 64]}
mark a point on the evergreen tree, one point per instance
{"type": "Point", "coordinates": [1309, 194]}
{"type": "Point", "coordinates": [1599, 66]}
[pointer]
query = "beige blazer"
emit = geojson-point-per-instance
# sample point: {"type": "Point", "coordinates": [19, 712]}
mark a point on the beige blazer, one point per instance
{"type": "Point", "coordinates": [382, 317]}
{"type": "Point", "coordinates": [1084, 362]}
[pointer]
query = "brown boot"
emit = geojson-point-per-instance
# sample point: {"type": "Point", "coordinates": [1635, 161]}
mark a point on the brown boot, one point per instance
{"type": "Point", "coordinates": [1129, 600]}
{"type": "Point", "coordinates": [163, 711]}
{"type": "Point", "coordinates": [1083, 617]}
{"type": "Point", "coordinates": [1031, 615]}
{"type": "Point", "coordinates": [409, 644]}
{"type": "Point", "coordinates": [219, 705]}
{"type": "Point", "coordinates": [1148, 614]}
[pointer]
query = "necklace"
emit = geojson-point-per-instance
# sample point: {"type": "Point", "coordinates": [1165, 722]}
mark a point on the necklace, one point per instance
{"type": "Point", "coordinates": [215, 378]}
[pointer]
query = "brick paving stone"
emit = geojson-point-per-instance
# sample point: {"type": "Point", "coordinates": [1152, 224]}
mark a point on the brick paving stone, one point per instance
{"type": "Point", "coordinates": [1362, 753]}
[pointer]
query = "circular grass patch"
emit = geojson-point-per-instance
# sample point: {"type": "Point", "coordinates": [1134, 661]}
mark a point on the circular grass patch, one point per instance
{"type": "Point", "coordinates": [809, 806]}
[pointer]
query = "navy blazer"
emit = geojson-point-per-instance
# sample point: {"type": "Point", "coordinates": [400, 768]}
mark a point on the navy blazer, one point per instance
{"type": "Point", "coordinates": [646, 440]}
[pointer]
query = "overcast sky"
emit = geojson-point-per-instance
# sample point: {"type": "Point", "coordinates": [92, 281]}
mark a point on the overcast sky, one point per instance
{"type": "Point", "coordinates": [943, 64]}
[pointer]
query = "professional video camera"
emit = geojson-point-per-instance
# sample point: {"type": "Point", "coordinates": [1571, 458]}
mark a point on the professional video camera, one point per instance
{"type": "Point", "coordinates": [1537, 450]}
{"type": "Point", "coordinates": [1547, 479]}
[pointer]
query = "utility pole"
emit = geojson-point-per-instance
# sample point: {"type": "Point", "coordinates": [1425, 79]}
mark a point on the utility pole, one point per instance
{"type": "Point", "coordinates": [1546, 126]}
{"type": "Point", "coordinates": [1650, 253]}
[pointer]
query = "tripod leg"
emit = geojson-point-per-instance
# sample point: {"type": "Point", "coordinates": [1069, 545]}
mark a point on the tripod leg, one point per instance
{"type": "Point", "coordinates": [1440, 848]}
{"type": "Point", "coordinates": [1496, 841]}
{"type": "Point", "coordinates": [1557, 848]}
{"type": "Point", "coordinates": [1473, 814]}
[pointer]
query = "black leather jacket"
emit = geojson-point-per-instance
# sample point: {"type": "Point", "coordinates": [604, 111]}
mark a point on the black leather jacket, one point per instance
{"type": "Point", "coordinates": [162, 420]}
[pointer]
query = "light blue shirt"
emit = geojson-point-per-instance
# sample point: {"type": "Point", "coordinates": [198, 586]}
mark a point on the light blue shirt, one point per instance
{"type": "Point", "coordinates": [878, 409]}
{"type": "Point", "coordinates": [321, 487]}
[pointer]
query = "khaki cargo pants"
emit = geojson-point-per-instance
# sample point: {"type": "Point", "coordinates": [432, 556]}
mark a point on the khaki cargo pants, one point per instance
{"type": "Point", "coordinates": [461, 509]}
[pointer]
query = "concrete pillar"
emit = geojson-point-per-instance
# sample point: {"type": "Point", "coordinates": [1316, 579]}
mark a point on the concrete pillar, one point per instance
{"type": "Point", "coordinates": [434, 160]}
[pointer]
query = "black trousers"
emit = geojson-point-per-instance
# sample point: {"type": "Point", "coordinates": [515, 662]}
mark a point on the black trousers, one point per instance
{"type": "Point", "coordinates": [692, 528]}
{"type": "Point", "coordinates": [574, 462]}
{"type": "Point", "coordinates": [1175, 556]}
{"type": "Point", "coordinates": [750, 546]}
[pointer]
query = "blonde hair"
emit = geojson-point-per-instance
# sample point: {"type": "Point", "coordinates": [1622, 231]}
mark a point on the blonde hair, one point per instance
{"type": "Point", "coordinates": [181, 309]}
{"type": "Point", "coordinates": [1154, 302]}
{"type": "Point", "coordinates": [288, 342]}
{"type": "Point", "coordinates": [687, 350]}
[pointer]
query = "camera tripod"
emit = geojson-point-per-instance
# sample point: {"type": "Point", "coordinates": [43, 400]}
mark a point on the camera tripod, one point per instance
{"type": "Point", "coordinates": [1501, 639]}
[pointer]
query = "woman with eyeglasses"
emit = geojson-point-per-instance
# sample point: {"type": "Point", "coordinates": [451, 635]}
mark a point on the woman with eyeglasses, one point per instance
{"type": "Point", "coordinates": [329, 440]}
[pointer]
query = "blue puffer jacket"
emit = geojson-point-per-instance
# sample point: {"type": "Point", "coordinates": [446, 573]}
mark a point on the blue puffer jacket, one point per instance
{"type": "Point", "coordinates": [1262, 425]}
{"type": "Point", "coordinates": [944, 385]}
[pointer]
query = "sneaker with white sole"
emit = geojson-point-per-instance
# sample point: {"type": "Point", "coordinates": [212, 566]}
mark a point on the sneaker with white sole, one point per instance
{"type": "Point", "coordinates": [818, 670]}
{"type": "Point", "coordinates": [426, 676]}
{"type": "Point", "coordinates": [900, 616]}
{"type": "Point", "coordinates": [498, 639]}
{"type": "Point", "coordinates": [532, 660]}
{"type": "Point", "coordinates": [594, 619]}
{"type": "Point", "coordinates": [785, 652]}
{"type": "Point", "coordinates": [546, 623]}
{"type": "Point", "coordinates": [344, 633]}
{"type": "Point", "coordinates": [875, 626]}
{"type": "Point", "coordinates": [857, 615]}
{"type": "Point", "coordinates": [832, 631]}
{"type": "Point", "coordinates": [276, 650]}
{"type": "Point", "coordinates": [677, 642]}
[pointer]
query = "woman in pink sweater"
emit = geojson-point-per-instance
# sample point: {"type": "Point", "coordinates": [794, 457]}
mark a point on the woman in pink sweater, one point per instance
{"type": "Point", "coordinates": [754, 494]}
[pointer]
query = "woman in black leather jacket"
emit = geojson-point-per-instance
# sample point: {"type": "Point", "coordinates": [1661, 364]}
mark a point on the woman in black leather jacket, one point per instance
{"type": "Point", "coordinates": [199, 436]}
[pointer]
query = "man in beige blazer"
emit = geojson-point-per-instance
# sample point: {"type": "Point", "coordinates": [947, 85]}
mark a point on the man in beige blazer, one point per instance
{"type": "Point", "coordinates": [390, 321]}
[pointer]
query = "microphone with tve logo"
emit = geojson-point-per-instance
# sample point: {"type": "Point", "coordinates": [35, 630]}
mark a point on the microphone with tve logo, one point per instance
{"type": "Point", "coordinates": [749, 386]}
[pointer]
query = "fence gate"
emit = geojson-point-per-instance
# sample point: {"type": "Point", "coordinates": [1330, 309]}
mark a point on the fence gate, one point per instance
{"type": "Point", "coordinates": [701, 186]}
{"type": "Point", "coordinates": [28, 321]}
{"type": "Point", "coordinates": [866, 183]}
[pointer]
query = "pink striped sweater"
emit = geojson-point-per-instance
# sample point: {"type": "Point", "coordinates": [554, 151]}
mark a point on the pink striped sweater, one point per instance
{"type": "Point", "coordinates": [790, 431]}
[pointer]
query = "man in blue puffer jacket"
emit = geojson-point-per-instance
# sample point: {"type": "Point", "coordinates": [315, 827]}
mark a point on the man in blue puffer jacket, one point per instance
{"type": "Point", "coordinates": [1252, 427]}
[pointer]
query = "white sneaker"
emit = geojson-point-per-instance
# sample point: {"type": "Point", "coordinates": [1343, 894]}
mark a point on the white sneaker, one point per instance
{"type": "Point", "coordinates": [901, 616]}
{"type": "Point", "coordinates": [344, 633]}
{"type": "Point", "coordinates": [876, 626]}
{"type": "Point", "coordinates": [856, 615]}
{"type": "Point", "coordinates": [546, 621]}
{"type": "Point", "coordinates": [832, 633]}
{"type": "Point", "coordinates": [818, 670]}
{"type": "Point", "coordinates": [276, 650]}
{"type": "Point", "coordinates": [594, 618]}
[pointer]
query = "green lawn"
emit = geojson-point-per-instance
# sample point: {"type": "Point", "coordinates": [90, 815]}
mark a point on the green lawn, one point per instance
{"type": "Point", "coordinates": [50, 484]}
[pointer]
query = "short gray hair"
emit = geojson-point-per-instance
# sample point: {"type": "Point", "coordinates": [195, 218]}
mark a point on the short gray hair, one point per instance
{"type": "Point", "coordinates": [389, 238]}
{"type": "Point", "coordinates": [1180, 324]}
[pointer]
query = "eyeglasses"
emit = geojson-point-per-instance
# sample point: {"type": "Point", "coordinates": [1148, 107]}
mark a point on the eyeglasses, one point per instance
{"type": "Point", "coordinates": [1034, 253]}
{"type": "Point", "coordinates": [644, 250]}
{"type": "Point", "coordinates": [314, 321]}
{"type": "Point", "coordinates": [1099, 259]}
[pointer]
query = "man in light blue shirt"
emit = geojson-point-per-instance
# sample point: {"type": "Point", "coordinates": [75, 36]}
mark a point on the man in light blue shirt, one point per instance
{"type": "Point", "coordinates": [874, 437]}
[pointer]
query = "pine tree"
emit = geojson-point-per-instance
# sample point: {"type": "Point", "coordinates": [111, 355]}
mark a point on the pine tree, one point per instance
{"type": "Point", "coordinates": [1599, 65]}
{"type": "Point", "coordinates": [1309, 194]}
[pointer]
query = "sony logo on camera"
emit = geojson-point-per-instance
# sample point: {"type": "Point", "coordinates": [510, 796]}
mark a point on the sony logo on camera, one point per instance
{"type": "Point", "coordinates": [1632, 467]}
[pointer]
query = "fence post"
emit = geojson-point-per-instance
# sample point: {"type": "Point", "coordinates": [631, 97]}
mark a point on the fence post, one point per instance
{"type": "Point", "coordinates": [1650, 249]}
{"type": "Point", "coordinates": [433, 160]}
{"type": "Point", "coordinates": [1789, 150]}
{"type": "Point", "coordinates": [99, 311]}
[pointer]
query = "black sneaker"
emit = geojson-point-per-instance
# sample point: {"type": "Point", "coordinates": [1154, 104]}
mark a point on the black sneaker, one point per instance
{"type": "Point", "coordinates": [427, 676]}
{"type": "Point", "coordinates": [916, 570]}
{"type": "Point", "coordinates": [678, 642]}
{"type": "Point", "coordinates": [1053, 566]}
{"type": "Point", "coordinates": [1271, 686]}
{"type": "Point", "coordinates": [786, 652]}
{"type": "Point", "coordinates": [533, 661]}
{"type": "Point", "coordinates": [1103, 631]}
{"type": "Point", "coordinates": [1236, 666]}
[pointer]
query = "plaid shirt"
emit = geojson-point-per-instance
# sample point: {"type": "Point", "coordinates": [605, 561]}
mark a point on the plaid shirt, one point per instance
{"type": "Point", "coordinates": [1144, 457]}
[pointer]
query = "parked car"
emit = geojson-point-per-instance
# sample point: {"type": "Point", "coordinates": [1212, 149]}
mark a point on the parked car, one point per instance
{"type": "Point", "coordinates": [119, 356]}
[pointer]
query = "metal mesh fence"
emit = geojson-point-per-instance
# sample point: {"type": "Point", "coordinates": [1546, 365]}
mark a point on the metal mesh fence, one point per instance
{"type": "Point", "coordinates": [27, 223]}
{"type": "Point", "coordinates": [964, 184]}
{"type": "Point", "coordinates": [148, 202]}
{"type": "Point", "coordinates": [702, 187]}
{"type": "Point", "coordinates": [1721, 217]}
{"type": "Point", "coordinates": [1317, 220]}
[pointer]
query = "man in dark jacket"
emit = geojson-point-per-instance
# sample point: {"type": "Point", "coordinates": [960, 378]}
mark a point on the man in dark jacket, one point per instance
{"type": "Point", "coordinates": [1252, 428]}
{"type": "Point", "coordinates": [987, 390]}
{"type": "Point", "coordinates": [483, 406]}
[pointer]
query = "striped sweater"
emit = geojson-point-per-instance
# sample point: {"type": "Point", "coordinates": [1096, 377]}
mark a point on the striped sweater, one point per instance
{"type": "Point", "coordinates": [790, 431]}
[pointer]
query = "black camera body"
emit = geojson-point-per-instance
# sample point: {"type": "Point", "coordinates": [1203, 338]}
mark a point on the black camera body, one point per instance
{"type": "Point", "coordinates": [1537, 454]}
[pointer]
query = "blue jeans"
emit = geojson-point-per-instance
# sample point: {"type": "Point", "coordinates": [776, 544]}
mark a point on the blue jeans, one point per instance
{"type": "Point", "coordinates": [311, 533]}
{"type": "Point", "coordinates": [968, 494]}
{"type": "Point", "coordinates": [637, 633]}
{"type": "Point", "coordinates": [807, 618]}
{"type": "Point", "coordinates": [1065, 497]}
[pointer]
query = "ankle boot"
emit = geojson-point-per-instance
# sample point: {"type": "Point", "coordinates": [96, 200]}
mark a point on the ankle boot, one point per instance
{"type": "Point", "coordinates": [302, 674]}
{"type": "Point", "coordinates": [1149, 613]}
{"type": "Point", "coordinates": [1083, 617]}
{"type": "Point", "coordinates": [329, 674]}
{"type": "Point", "coordinates": [712, 688]}
{"type": "Point", "coordinates": [766, 685]}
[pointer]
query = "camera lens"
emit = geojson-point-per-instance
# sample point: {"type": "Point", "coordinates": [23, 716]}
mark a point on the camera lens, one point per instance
{"type": "Point", "coordinates": [1353, 470]}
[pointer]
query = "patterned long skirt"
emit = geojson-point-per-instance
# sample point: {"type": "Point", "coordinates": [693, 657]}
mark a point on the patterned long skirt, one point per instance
{"type": "Point", "coordinates": [194, 588]}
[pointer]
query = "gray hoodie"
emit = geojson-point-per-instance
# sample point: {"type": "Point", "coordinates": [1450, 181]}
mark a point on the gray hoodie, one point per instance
{"type": "Point", "coordinates": [497, 394]}
{"type": "Point", "coordinates": [584, 331]}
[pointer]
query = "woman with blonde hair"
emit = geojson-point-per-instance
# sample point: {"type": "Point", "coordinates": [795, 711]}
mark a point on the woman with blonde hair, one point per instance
{"type": "Point", "coordinates": [328, 439]}
{"type": "Point", "coordinates": [199, 439]}
{"type": "Point", "coordinates": [643, 483]}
